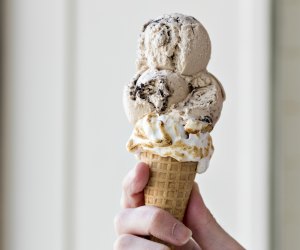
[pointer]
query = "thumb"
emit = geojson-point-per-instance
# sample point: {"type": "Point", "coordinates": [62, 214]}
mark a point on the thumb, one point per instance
{"type": "Point", "coordinates": [197, 214]}
{"type": "Point", "coordinates": [206, 231]}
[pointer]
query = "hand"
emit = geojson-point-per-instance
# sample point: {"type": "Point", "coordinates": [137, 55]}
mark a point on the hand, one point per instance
{"type": "Point", "coordinates": [135, 221]}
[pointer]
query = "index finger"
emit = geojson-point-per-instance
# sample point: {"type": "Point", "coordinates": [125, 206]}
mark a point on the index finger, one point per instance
{"type": "Point", "coordinates": [133, 186]}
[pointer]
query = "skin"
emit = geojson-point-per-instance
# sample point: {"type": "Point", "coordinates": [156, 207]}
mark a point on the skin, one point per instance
{"type": "Point", "coordinates": [136, 221]}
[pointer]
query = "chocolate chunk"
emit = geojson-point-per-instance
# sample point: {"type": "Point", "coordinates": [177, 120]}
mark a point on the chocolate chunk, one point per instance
{"type": "Point", "coordinates": [161, 93]}
{"type": "Point", "coordinates": [133, 87]}
{"type": "Point", "coordinates": [146, 25]}
{"type": "Point", "coordinates": [207, 119]}
{"type": "Point", "coordinates": [156, 20]}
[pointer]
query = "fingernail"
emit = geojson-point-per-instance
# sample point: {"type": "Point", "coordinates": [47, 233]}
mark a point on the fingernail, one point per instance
{"type": "Point", "coordinates": [181, 233]}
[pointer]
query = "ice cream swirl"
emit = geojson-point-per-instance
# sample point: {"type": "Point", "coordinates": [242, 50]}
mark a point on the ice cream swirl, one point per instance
{"type": "Point", "coordinates": [168, 135]}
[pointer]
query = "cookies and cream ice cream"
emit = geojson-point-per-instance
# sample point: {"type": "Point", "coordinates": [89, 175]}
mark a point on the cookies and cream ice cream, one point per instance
{"type": "Point", "coordinates": [153, 90]}
{"type": "Point", "coordinates": [175, 42]}
{"type": "Point", "coordinates": [173, 101]}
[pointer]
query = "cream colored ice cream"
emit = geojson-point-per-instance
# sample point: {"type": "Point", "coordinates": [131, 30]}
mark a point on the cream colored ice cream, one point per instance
{"type": "Point", "coordinates": [173, 101]}
{"type": "Point", "coordinates": [205, 101]}
{"type": "Point", "coordinates": [175, 42]}
{"type": "Point", "coordinates": [153, 90]}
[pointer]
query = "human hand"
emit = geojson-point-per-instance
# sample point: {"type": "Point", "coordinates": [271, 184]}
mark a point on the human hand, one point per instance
{"type": "Point", "coordinates": [136, 221]}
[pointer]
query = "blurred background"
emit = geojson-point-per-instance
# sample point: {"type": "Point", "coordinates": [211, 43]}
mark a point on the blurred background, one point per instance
{"type": "Point", "coordinates": [63, 129]}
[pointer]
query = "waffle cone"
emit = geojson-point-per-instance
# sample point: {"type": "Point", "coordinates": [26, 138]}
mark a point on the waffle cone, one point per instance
{"type": "Point", "coordinates": [170, 184]}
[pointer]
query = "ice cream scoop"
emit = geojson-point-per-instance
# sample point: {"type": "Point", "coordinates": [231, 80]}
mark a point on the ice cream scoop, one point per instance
{"type": "Point", "coordinates": [205, 100]}
{"type": "Point", "coordinates": [175, 42]}
{"type": "Point", "coordinates": [153, 90]}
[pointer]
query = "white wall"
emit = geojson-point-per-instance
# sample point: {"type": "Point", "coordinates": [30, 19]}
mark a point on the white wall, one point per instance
{"type": "Point", "coordinates": [33, 107]}
{"type": "Point", "coordinates": [100, 48]}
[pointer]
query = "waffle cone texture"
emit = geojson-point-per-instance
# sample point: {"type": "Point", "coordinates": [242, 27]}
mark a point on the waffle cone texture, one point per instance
{"type": "Point", "coordinates": [170, 184]}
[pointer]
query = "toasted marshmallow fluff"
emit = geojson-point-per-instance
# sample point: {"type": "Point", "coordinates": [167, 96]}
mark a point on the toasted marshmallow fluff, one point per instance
{"type": "Point", "coordinates": [165, 135]}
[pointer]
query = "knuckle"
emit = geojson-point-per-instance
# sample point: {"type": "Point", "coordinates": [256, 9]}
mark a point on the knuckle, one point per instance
{"type": "Point", "coordinates": [122, 242]}
{"type": "Point", "coordinates": [156, 218]}
{"type": "Point", "coordinates": [118, 221]}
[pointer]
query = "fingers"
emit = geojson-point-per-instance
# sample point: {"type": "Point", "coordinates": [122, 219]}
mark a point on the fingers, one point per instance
{"type": "Point", "coordinates": [197, 214]}
{"type": "Point", "coordinates": [132, 242]}
{"type": "Point", "coordinates": [133, 186]}
{"type": "Point", "coordinates": [148, 220]}
{"type": "Point", "coordinates": [206, 231]}
{"type": "Point", "coordinates": [200, 220]}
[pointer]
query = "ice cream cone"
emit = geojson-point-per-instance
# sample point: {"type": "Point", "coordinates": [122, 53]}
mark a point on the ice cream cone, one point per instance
{"type": "Point", "coordinates": [169, 185]}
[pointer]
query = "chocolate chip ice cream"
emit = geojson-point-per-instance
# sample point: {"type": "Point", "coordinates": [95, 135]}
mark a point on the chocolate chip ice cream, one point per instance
{"type": "Point", "coordinates": [173, 101]}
